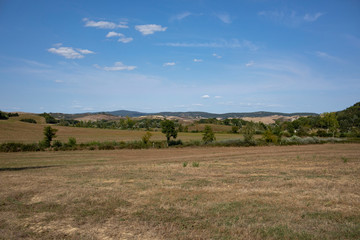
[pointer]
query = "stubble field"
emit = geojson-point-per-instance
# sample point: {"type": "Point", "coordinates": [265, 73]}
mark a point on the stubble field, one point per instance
{"type": "Point", "coordinates": [292, 192]}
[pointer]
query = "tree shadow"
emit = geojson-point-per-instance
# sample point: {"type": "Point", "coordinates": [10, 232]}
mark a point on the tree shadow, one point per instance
{"type": "Point", "coordinates": [27, 168]}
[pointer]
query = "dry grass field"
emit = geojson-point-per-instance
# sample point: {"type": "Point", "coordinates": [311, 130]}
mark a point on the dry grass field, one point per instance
{"type": "Point", "coordinates": [16, 131]}
{"type": "Point", "coordinates": [292, 192]}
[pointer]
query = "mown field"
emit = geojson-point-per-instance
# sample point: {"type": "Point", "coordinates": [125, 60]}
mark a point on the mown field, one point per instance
{"type": "Point", "coordinates": [292, 192]}
{"type": "Point", "coordinates": [15, 131]}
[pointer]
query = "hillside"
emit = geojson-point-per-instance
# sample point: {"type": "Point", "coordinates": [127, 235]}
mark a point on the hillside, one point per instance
{"type": "Point", "coordinates": [184, 115]}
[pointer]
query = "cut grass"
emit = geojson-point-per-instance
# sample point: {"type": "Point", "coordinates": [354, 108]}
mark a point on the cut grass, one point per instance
{"type": "Point", "coordinates": [235, 193]}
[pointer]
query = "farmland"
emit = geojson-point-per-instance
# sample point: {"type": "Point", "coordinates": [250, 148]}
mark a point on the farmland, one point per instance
{"type": "Point", "coordinates": [292, 192]}
{"type": "Point", "coordinates": [16, 131]}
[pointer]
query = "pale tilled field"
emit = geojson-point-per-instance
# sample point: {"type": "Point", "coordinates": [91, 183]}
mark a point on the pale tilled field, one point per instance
{"type": "Point", "coordinates": [292, 192]}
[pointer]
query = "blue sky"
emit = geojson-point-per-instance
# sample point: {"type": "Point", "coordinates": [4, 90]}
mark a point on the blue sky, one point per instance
{"type": "Point", "coordinates": [179, 55]}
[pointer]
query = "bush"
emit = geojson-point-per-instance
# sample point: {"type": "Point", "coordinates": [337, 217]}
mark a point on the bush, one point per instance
{"type": "Point", "coordinates": [20, 147]}
{"type": "Point", "coordinates": [28, 120]}
{"type": "Point", "coordinates": [13, 114]}
{"type": "Point", "coordinates": [146, 138]}
{"type": "Point", "coordinates": [175, 142]}
{"type": "Point", "coordinates": [57, 144]}
{"type": "Point", "coordinates": [72, 142]}
{"type": "Point", "coordinates": [3, 116]}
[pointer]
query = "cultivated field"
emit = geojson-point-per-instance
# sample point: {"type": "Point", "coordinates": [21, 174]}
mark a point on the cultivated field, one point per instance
{"type": "Point", "coordinates": [16, 131]}
{"type": "Point", "coordinates": [293, 192]}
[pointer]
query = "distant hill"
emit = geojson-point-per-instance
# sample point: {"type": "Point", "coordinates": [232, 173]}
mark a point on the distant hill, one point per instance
{"type": "Point", "coordinates": [126, 113]}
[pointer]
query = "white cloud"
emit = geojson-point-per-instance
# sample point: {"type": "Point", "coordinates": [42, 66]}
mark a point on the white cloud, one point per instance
{"type": "Point", "coordinates": [249, 64]}
{"type": "Point", "coordinates": [84, 51]}
{"type": "Point", "coordinates": [125, 39]}
{"type": "Point", "coordinates": [197, 60]}
{"type": "Point", "coordinates": [218, 97]}
{"type": "Point", "coordinates": [180, 16]}
{"type": "Point", "coordinates": [58, 81]}
{"type": "Point", "coordinates": [150, 28]}
{"type": "Point", "coordinates": [114, 34]}
{"type": "Point", "coordinates": [169, 64]}
{"type": "Point", "coordinates": [217, 56]}
{"type": "Point", "coordinates": [104, 24]}
{"type": "Point", "coordinates": [224, 17]}
{"type": "Point", "coordinates": [69, 52]}
{"type": "Point", "coordinates": [118, 66]}
{"type": "Point", "coordinates": [121, 36]}
{"type": "Point", "coordinates": [205, 96]}
{"type": "Point", "coordinates": [197, 104]}
{"type": "Point", "coordinates": [312, 18]}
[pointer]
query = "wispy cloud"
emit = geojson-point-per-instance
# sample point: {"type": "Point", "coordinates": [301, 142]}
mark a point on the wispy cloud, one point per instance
{"type": "Point", "coordinates": [218, 97]}
{"type": "Point", "coordinates": [224, 17]}
{"type": "Point", "coordinates": [104, 24]}
{"type": "Point", "coordinates": [121, 37]}
{"type": "Point", "coordinates": [312, 17]}
{"type": "Point", "coordinates": [205, 96]}
{"type": "Point", "coordinates": [217, 56]}
{"type": "Point", "coordinates": [69, 52]}
{"type": "Point", "coordinates": [118, 66]}
{"type": "Point", "coordinates": [327, 56]}
{"type": "Point", "coordinates": [355, 41]}
{"type": "Point", "coordinates": [290, 17]}
{"type": "Point", "coordinates": [180, 16]}
{"type": "Point", "coordinates": [234, 43]}
{"type": "Point", "coordinates": [198, 60]}
{"type": "Point", "coordinates": [249, 64]}
{"type": "Point", "coordinates": [148, 29]}
{"type": "Point", "coordinates": [169, 64]}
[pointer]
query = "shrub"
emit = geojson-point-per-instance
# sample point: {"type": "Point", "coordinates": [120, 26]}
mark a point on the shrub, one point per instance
{"type": "Point", "coordinates": [72, 142]}
{"type": "Point", "coordinates": [185, 164]}
{"type": "Point", "coordinates": [3, 116]}
{"type": "Point", "coordinates": [57, 144]}
{"type": "Point", "coordinates": [28, 120]}
{"type": "Point", "coordinates": [146, 138]}
{"type": "Point", "coordinates": [20, 147]}
{"type": "Point", "coordinates": [175, 142]}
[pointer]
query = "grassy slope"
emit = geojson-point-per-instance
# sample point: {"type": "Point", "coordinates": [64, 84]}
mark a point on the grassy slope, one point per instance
{"type": "Point", "coordinates": [13, 130]}
{"type": "Point", "coordinates": [293, 192]}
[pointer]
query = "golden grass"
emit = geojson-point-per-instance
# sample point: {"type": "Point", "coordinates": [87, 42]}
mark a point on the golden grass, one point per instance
{"type": "Point", "coordinates": [293, 192]}
{"type": "Point", "coordinates": [16, 131]}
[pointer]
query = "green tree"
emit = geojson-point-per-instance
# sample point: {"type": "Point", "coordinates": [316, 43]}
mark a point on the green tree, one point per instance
{"type": "Point", "coordinates": [248, 132]}
{"type": "Point", "coordinates": [234, 129]}
{"type": "Point", "coordinates": [168, 128]}
{"type": "Point", "coordinates": [331, 122]}
{"type": "Point", "coordinates": [209, 135]}
{"type": "Point", "coordinates": [49, 134]}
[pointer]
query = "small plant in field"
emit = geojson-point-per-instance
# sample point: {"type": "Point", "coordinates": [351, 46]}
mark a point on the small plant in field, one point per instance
{"type": "Point", "coordinates": [195, 164]}
{"type": "Point", "coordinates": [345, 160]}
{"type": "Point", "coordinates": [185, 164]}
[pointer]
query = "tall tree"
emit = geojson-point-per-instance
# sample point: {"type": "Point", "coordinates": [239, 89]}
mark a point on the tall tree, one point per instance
{"type": "Point", "coordinates": [168, 128]}
{"type": "Point", "coordinates": [209, 135]}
